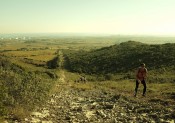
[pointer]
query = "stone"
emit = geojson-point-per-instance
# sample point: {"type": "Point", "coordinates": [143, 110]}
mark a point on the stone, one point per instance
{"type": "Point", "coordinates": [26, 119]}
{"type": "Point", "coordinates": [170, 121]}
{"type": "Point", "coordinates": [89, 114]}
{"type": "Point", "coordinates": [144, 114]}
{"type": "Point", "coordinates": [35, 120]}
{"type": "Point", "coordinates": [36, 114]}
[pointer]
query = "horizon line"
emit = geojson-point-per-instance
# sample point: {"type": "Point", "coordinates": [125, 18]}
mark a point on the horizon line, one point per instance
{"type": "Point", "coordinates": [86, 34]}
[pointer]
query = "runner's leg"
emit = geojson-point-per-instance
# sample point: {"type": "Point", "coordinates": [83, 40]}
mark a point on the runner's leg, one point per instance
{"type": "Point", "coordinates": [144, 85]}
{"type": "Point", "coordinates": [136, 88]}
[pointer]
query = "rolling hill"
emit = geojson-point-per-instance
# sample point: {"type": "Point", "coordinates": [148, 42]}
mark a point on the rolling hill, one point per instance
{"type": "Point", "coordinates": [122, 58]}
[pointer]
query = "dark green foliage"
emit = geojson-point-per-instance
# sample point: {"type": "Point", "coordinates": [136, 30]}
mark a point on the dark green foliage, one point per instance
{"type": "Point", "coordinates": [4, 63]}
{"type": "Point", "coordinates": [121, 58]}
{"type": "Point", "coordinates": [54, 63]}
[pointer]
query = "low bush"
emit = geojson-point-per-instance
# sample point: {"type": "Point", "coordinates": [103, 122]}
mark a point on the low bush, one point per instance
{"type": "Point", "coordinates": [25, 90]}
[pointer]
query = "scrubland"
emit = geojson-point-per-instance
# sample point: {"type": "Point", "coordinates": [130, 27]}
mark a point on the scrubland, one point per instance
{"type": "Point", "coordinates": [45, 75]}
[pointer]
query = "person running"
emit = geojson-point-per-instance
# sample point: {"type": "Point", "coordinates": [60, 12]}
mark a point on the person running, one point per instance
{"type": "Point", "coordinates": [141, 75]}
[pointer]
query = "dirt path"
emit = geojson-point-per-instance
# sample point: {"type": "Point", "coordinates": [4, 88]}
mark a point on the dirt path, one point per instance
{"type": "Point", "coordinates": [69, 105]}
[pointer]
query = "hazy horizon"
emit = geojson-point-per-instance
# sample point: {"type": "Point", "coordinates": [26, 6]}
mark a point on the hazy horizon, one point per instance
{"type": "Point", "coordinates": [95, 17]}
{"type": "Point", "coordinates": [85, 34]}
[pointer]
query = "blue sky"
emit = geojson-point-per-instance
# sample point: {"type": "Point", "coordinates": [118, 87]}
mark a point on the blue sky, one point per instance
{"type": "Point", "coordinates": [141, 17]}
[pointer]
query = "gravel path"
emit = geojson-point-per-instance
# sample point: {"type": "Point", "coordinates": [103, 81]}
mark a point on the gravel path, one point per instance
{"type": "Point", "coordinates": [70, 105]}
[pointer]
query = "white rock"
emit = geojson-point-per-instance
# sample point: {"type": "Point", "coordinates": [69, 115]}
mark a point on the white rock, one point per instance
{"type": "Point", "coordinates": [37, 114]}
{"type": "Point", "coordinates": [89, 114]}
{"type": "Point", "coordinates": [35, 120]}
{"type": "Point", "coordinates": [144, 114]}
{"type": "Point", "coordinates": [26, 119]}
{"type": "Point", "coordinates": [170, 121]}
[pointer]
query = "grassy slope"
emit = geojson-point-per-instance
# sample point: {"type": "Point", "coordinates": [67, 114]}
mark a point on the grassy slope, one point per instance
{"type": "Point", "coordinates": [124, 58]}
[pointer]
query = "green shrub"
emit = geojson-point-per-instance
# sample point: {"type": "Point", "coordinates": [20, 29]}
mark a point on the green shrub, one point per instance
{"type": "Point", "coordinates": [25, 90]}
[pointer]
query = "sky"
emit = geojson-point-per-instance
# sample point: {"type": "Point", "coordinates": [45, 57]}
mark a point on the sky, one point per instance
{"type": "Point", "coordinates": [125, 17]}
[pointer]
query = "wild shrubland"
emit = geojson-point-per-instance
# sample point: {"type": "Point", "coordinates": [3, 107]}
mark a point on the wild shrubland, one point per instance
{"type": "Point", "coordinates": [29, 70]}
{"type": "Point", "coordinates": [124, 59]}
{"type": "Point", "coordinates": [21, 91]}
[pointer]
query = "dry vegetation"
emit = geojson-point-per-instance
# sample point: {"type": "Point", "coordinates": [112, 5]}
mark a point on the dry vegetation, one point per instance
{"type": "Point", "coordinates": [31, 59]}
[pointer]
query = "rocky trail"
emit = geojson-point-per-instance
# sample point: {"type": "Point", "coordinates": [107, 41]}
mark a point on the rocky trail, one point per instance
{"type": "Point", "coordinates": [70, 105]}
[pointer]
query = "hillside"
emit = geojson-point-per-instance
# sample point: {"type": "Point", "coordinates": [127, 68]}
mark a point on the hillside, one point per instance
{"type": "Point", "coordinates": [35, 87]}
{"type": "Point", "coordinates": [123, 58]}
{"type": "Point", "coordinates": [21, 91]}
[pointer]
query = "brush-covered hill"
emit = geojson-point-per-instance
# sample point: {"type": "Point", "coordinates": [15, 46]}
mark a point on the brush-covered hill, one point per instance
{"type": "Point", "coordinates": [21, 91]}
{"type": "Point", "coordinates": [122, 58]}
